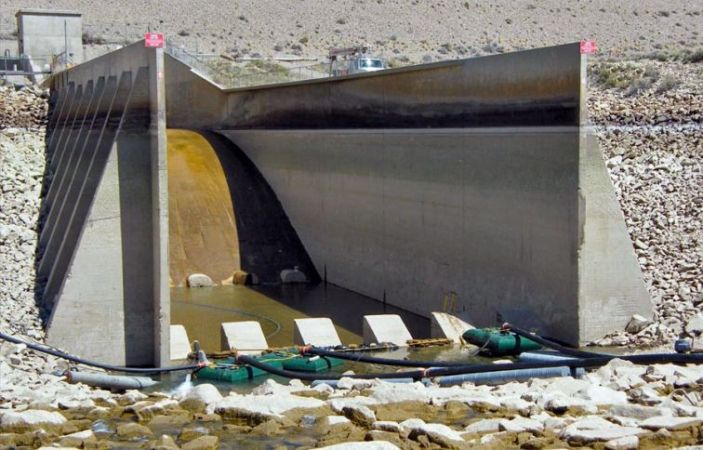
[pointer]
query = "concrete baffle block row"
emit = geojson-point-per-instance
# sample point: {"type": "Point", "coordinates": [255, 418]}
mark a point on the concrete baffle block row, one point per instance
{"type": "Point", "coordinates": [385, 328]}
{"type": "Point", "coordinates": [447, 326]}
{"type": "Point", "coordinates": [180, 344]}
{"type": "Point", "coordinates": [317, 331]}
{"type": "Point", "coordinates": [245, 337]}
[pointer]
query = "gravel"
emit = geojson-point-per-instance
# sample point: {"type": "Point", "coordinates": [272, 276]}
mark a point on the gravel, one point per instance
{"type": "Point", "coordinates": [21, 173]}
{"type": "Point", "coordinates": [653, 147]}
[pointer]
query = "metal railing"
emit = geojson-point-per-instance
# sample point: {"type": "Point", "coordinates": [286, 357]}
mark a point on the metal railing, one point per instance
{"type": "Point", "coordinates": [14, 63]}
{"type": "Point", "coordinates": [194, 61]}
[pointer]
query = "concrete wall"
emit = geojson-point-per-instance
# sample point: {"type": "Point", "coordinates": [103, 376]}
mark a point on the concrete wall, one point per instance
{"type": "Point", "coordinates": [471, 177]}
{"type": "Point", "coordinates": [102, 256]}
{"type": "Point", "coordinates": [608, 268]}
{"type": "Point", "coordinates": [45, 33]}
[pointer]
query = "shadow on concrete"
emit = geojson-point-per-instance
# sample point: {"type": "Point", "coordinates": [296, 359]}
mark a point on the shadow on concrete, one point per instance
{"type": "Point", "coordinates": [136, 221]}
{"type": "Point", "coordinates": [52, 260]}
{"type": "Point", "coordinates": [56, 101]}
{"type": "Point", "coordinates": [268, 243]}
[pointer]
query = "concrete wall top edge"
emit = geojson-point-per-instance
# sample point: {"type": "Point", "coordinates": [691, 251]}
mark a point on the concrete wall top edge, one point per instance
{"type": "Point", "coordinates": [390, 72]}
{"type": "Point", "coordinates": [126, 58]}
{"type": "Point", "coordinates": [47, 12]}
{"type": "Point", "coordinates": [540, 87]}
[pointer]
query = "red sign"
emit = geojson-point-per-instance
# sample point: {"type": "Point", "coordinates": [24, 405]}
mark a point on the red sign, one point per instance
{"type": "Point", "coordinates": [154, 40]}
{"type": "Point", "coordinates": [588, 47]}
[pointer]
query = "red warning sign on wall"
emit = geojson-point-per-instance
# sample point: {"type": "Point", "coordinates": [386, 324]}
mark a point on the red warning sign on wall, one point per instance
{"type": "Point", "coordinates": [154, 40]}
{"type": "Point", "coordinates": [588, 47]}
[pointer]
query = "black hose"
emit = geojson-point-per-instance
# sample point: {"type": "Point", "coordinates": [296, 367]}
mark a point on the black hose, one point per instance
{"type": "Point", "coordinates": [75, 359]}
{"type": "Point", "coordinates": [553, 345]}
{"type": "Point", "coordinates": [358, 357]}
{"type": "Point", "coordinates": [408, 363]}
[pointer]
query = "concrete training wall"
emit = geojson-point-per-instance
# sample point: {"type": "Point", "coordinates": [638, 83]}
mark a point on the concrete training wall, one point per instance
{"type": "Point", "coordinates": [472, 177]}
{"type": "Point", "coordinates": [102, 256]}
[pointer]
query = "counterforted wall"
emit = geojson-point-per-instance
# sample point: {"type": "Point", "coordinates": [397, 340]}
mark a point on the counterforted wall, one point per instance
{"type": "Point", "coordinates": [99, 253]}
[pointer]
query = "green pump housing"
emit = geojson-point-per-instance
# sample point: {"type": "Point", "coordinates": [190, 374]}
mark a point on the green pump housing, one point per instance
{"type": "Point", "coordinates": [495, 342]}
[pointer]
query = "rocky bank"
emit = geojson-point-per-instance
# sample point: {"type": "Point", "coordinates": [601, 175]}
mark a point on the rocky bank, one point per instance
{"type": "Point", "coordinates": [649, 123]}
{"type": "Point", "coordinates": [619, 406]}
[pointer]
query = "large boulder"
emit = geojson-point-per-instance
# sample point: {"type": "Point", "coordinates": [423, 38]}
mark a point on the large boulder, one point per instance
{"type": "Point", "coordinates": [203, 443]}
{"type": "Point", "coordinates": [360, 415]}
{"type": "Point", "coordinates": [201, 398]}
{"type": "Point", "coordinates": [256, 409]}
{"type": "Point", "coordinates": [80, 439]}
{"type": "Point", "coordinates": [636, 324]}
{"type": "Point", "coordinates": [437, 433]}
{"type": "Point", "coordinates": [199, 280]}
{"type": "Point", "coordinates": [369, 445]}
{"type": "Point", "coordinates": [593, 429]}
{"type": "Point", "coordinates": [31, 419]}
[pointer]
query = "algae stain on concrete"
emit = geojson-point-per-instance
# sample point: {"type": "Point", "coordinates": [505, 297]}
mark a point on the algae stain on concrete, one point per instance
{"type": "Point", "coordinates": [202, 228]}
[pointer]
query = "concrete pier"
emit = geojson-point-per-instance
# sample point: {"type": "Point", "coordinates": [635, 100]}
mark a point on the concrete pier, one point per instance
{"type": "Point", "coordinates": [317, 331]}
{"type": "Point", "coordinates": [246, 338]}
{"type": "Point", "coordinates": [179, 343]}
{"type": "Point", "coordinates": [381, 328]}
{"type": "Point", "coordinates": [102, 258]}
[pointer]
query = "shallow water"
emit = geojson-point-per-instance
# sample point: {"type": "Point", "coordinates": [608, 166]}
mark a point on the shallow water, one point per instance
{"type": "Point", "coordinates": [202, 311]}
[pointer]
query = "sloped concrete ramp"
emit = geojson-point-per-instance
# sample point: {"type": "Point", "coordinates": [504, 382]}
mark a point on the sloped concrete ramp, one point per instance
{"type": "Point", "coordinates": [202, 228]}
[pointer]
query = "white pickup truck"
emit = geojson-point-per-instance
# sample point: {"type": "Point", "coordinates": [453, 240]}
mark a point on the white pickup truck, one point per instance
{"type": "Point", "coordinates": [351, 61]}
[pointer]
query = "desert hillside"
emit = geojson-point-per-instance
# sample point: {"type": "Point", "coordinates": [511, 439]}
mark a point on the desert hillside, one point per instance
{"type": "Point", "coordinates": [409, 30]}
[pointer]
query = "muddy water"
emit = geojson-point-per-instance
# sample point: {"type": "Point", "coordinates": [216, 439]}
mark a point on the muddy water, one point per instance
{"type": "Point", "coordinates": [202, 311]}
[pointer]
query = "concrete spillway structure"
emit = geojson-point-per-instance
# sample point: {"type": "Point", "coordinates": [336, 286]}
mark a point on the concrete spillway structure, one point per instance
{"type": "Point", "coordinates": [472, 179]}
